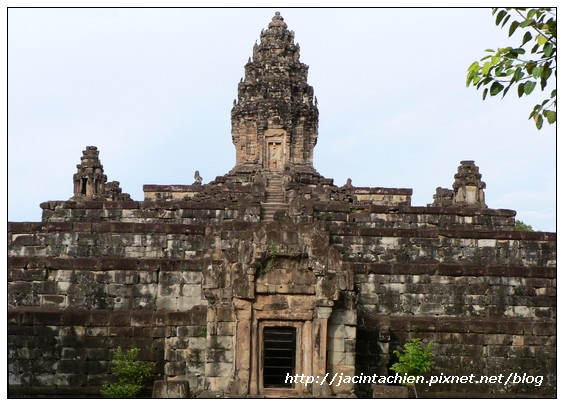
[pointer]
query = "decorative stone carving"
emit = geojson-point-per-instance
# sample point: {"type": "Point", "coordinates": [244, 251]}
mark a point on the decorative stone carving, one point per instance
{"type": "Point", "coordinates": [197, 178]}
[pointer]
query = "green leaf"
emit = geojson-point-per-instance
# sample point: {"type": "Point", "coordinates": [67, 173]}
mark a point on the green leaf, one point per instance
{"type": "Point", "coordinates": [495, 88]}
{"type": "Point", "coordinates": [547, 49]}
{"type": "Point", "coordinates": [531, 13]}
{"type": "Point", "coordinates": [520, 89]}
{"type": "Point", "coordinates": [518, 75]}
{"type": "Point", "coordinates": [505, 20]}
{"type": "Point", "coordinates": [514, 53]}
{"type": "Point", "coordinates": [473, 67]}
{"type": "Point", "coordinates": [484, 82]}
{"type": "Point", "coordinates": [500, 16]}
{"type": "Point", "coordinates": [547, 70]}
{"type": "Point", "coordinates": [471, 77]}
{"type": "Point", "coordinates": [486, 68]}
{"type": "Point", "coordinates": [529, 87]}
{"type": "Point", "coordinates": [550, 116]}
{"type": "Point", "coordinates": [538, 121]}
{"type": "Point", "coordinates": [513, 27]}
{"type": "Point", "coordinates": [541, 39]}
{"type": "Point", "coordinates": [526, 38]}
{"type": "Point", "coordinates": [537, 72]}
{"type": "Point", "coordinates": [484, 95]}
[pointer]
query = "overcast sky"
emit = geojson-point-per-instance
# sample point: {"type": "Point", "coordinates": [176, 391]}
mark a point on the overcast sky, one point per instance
{"type": "Point", "coordinates": [153, 90]}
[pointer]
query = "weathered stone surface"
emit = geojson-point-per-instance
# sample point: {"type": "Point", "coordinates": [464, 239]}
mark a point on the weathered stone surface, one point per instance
{"type": "Point", "coordinates": [389, 392]}
{"type": "Point", "coordinates": [171, 390]}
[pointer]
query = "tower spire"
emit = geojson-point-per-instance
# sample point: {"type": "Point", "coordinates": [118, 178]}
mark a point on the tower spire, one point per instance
{"type": "Point", "coordinates": [274, 123]}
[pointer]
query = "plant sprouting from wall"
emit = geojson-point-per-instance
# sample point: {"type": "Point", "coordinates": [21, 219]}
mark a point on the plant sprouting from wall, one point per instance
{"type": "Point", "coordinates": [413, 360]}
{"type": "Point", "coordinates": [268, 263]}
{"type": "Point", "coordinates": [132, 375]}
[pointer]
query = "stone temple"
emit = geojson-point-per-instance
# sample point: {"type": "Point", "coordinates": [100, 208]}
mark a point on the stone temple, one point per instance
{"type": "Point", "coordinates": [272, 271]}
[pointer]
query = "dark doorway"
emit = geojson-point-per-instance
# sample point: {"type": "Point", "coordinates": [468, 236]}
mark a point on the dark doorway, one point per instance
{"type": "Point", "coordinates": [279, 357]}
{"type": "Point", "coordinates": [83, 186]}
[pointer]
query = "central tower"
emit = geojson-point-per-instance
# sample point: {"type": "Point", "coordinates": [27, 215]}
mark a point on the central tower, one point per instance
{"type": "Point", "coordinates": [274, 122]}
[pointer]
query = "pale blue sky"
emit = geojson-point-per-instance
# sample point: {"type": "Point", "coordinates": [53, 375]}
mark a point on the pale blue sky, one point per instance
{"type": "Point", "coordinates": [153, 90]}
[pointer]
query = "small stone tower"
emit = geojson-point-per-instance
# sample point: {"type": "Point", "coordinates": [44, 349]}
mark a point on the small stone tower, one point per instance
{"type": "Point", "coordinates": [90, 183]}
{"type": "Point", "coordinates": [468, 189]}
{"type": "Point", "coordinates": [89, 180]}
{"type": "Point", "coordinates": [468, 186]}
{"type": "Point", "coordinates": [275, 119]}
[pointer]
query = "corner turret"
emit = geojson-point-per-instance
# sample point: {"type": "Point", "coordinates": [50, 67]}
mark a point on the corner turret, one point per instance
{"type": "Point", "coordinates": [468, 189]}
{"type": "Point", "coordinates": [90, 183]}
{"type": "Point", "coordinates": [89, 180]}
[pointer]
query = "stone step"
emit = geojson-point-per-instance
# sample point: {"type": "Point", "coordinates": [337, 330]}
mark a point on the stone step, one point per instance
{"type": "Point", "coordinates": [274, 184]}
{"type": "Point", "coordinates": [271, 197]}
{"type": "Point", "coordinates": [274, 193]}
{"type": "Point", "coordinates": [268, 210]}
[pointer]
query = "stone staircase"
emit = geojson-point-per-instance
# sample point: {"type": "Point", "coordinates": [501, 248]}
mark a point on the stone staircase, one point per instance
{"type": "Point", "coordinates": [274, 198]}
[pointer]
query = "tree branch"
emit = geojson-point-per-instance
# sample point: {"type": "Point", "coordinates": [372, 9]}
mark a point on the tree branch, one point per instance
{"type": "Point", "coordinates": [550, 39]}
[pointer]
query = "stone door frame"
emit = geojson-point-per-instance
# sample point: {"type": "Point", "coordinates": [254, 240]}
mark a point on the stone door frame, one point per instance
{"type": "Point", "coordinates": [302, 357]}
{"type": "Point", "coordinates": [279, 138]}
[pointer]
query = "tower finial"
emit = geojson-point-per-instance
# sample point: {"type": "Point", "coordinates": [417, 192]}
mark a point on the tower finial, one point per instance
{"type": "Point", "coordinates": [277, 21]}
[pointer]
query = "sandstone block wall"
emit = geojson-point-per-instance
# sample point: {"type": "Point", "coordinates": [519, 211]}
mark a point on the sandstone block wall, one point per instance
{"type": "Point", "coordinates": [207, 212]}
{"type": "Point", "coordinates": [78, 290]}
{"type": "Point", "coordinates": [409, 217]}
{"type": "Point", "coordinates": [166, 277]}
{"type": "Point", "coordinates": [487, 299]}
{"type": "Point", "coordinates": [68, 353]}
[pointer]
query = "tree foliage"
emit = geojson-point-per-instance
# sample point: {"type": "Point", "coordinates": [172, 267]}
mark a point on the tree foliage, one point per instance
{"type": "Point", "coordinates": [520, 226]}
{"type": "Point", "coordinates": [527, 67]}
{"type": "Point", "coordinates": [414, 360]}
{"type": "Point", "coordinates": [131, 374]}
